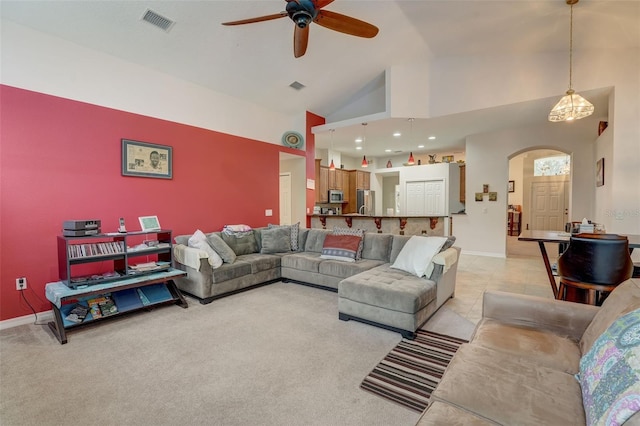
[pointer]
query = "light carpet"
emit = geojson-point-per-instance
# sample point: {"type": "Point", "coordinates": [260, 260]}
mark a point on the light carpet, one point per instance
{"type": "Point", "coordinates": [273, 355]}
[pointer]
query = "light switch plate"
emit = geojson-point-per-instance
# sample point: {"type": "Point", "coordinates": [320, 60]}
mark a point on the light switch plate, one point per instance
{"type": "Point", "coordinates": [268, 212]}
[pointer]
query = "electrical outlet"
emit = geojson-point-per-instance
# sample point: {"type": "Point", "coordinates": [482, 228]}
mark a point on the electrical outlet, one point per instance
{"type": "Point", "coordinates": [21, 283]}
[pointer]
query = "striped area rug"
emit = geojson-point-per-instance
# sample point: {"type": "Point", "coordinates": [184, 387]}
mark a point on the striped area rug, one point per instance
{"type": "Point", "coordinates": [413, 369]}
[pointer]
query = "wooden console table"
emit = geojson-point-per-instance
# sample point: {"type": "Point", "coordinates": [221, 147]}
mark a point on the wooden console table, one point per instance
{"type": "Point", "coordinates": [157, 289]}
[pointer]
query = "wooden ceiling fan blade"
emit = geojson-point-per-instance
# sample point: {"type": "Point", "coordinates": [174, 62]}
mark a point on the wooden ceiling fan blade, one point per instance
{"type": "Point", "coordinates": [345, 24]}
{"type": "Point", "coordinates": [258, 19]}
{"type": "Point", "coordinates": [300, 41]}
{"type": "Point", "coordinates": [319, 4]}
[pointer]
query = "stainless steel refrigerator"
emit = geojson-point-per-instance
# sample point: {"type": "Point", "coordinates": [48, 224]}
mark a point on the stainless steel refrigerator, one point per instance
{"type": "Point", "coordinates": [366, 202]}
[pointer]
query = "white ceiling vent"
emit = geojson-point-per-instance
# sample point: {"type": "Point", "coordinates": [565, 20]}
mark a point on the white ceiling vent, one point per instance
{"type": "Point", "coordinates": [158, 20]}
{"type": "Point", "coordinates": [297, 85]}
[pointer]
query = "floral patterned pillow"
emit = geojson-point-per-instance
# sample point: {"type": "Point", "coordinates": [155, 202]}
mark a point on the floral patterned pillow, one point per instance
{"type": "Point", "coordinates": [610, 373]}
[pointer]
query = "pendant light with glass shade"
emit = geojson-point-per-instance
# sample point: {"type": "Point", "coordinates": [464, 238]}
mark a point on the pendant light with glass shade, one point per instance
{"type": "Point", "coordinates": [572, 106]}
{"type": "Point", "coordinates": [364, 138]}
{"type": "Point", "coordinates": [332, 166]}
{"type": "Point", "coordinates": [411, 161]}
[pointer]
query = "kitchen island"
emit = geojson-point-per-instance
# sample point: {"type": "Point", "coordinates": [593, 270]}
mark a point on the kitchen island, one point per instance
{"type": "Point", "coordinates": [402, 225]}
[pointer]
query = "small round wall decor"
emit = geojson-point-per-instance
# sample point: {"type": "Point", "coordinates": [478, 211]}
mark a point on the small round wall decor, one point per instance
{"type": "Point", "coordinates": [292, 139]}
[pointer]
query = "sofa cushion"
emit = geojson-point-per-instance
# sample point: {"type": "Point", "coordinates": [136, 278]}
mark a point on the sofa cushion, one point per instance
{"type": "Point", "coordinates": [260, 262]}
{"type": "Point", "coordinates": [315, 240]}
{"type": "Point", "coordinates": [304, 261]}
{"type": "Point", "coordinates": [417, 253]}
{"type": "Point", "coordinates": [340, 269]}
{"type": "Point", "coordinates": [229, 271]}
{"type": "Point", "coordinates": [510, 390]}
{"type": "Point", "coordinates": [440, 413]}
{"type": "Point", "coordinates": [294, 231]}
{"type": "Point", "coordinates": [388, 288]}
{"type": "Point", "coordinates": [610, 373]}
{"type": "Point", "coordinates": [199, 240]}
{"type": "Point", "coordinates": [241, 243]}
{"type": "Point", "coordinates": [351, 231]}
{"type": "Point", "coordinates": [276, 240]}
{"type": "Point", "coordinates": [539, 346]}
{"type": "Point", "coordinates": [397, 245]}
{"type": "Point", "coordinates": [624, 299]}
{"type": "Point", "coordinates": [377, 246]}
{"type": "Point", "coordinates": [218, 244]}
{"type": "Point", "coordinates": [341, 247]}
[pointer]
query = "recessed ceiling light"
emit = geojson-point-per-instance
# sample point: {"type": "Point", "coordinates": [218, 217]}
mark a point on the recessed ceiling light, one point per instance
{"type": "Point", "coordinates": [358, 147]}
{"type": "Point", "coordinates": [387, 150]}
{"type": "Point", "coordinates": [397, 134]}
{"type": "Point", "coordinates": [358, 140]}
{"type": "Point", "coordinates": [420, 146]}
{"type": "Point", "coordinates": [431, 138]}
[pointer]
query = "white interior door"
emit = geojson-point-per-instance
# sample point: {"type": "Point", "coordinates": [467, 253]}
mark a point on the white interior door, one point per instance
{"type": "Point", "coordinates": [548, 206]}
{"type": "Point", "coordinates": [425, 198]}
{"type": "Point", "coordinates": [415, 198]}
{"type": "Point", "coordinates": [285, 199]}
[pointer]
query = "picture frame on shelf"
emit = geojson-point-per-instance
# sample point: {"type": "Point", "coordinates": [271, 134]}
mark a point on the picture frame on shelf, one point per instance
{"type": "Point", "coordinates": [149, 223]}
{"type": "Point", "coordinates": [479, 196]}
{"type": "Point", "coordinates": [447, 158]}
{"type": "Point", "coordinates": [485, 188]}
{"type": "Point", "coordinates": [143, 159]}
{"type": "Point", "coordinates": [512, 186]}
{"type": "Point", "coordinates": [493, 196]}
{"type": "Point", "coordinates": [600, 172]}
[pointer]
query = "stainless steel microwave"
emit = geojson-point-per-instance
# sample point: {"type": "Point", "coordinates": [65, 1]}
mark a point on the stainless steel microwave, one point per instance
{"type": "Point", "coordinates": [336, 196]}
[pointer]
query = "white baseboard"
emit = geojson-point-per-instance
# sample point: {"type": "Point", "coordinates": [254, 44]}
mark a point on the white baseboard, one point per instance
{"type": "Point", "coordinates": [43, 317]}
{"type": "Point", "coordinates": [484, 253]}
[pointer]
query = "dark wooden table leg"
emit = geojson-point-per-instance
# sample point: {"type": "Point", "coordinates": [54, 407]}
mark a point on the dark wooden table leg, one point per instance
{"type": "Point", "coordinates": [547, 266]}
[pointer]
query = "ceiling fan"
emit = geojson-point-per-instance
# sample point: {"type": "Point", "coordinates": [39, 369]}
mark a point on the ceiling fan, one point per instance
{"type": "Point", "coordinates": [303, 12]}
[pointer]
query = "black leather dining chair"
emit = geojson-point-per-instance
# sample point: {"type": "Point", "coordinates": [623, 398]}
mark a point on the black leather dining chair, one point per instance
{"type": "Point", "coordinates": [595, 263]}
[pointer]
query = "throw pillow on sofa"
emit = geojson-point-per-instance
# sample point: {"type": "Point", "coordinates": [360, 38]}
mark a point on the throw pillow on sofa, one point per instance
{"type": "Point", "coordinates": [225, 252]}
{"type": "Point", "coordinates": [350, 231]}
{"type": "Point", "coordinates": [199, 240]}
{"type": "Point", "coordinates": [417, 253]}
{"type": "Point", "coordinates": [241, 242]}
{"type": "Point", "coordinates": [610, 373]}
{"type": "Point", "coordinates": [340, 247]}
{"type": "Point", "coordinates": [294, 231]}
{"type": "Point", "coordinates": [276, 240]}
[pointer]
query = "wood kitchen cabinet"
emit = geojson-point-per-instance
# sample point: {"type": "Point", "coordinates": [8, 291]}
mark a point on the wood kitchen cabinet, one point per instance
{"type": "Point", "coordinates": [322, 183]}
{"type": "Point", "coordinates": [345, 184]}
{"type": "Point", "coordinates": [362, 179]}
{"type": "Point", "coordinates": [333, 179]}
{"type": "Point", "coordinates": [463, 175]}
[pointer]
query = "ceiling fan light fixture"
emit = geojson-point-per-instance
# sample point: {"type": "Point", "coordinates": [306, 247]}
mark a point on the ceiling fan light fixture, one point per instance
{"type": "Point", "coordinates": [572, 106]}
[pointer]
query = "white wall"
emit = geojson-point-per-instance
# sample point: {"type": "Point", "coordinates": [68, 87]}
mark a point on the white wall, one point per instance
{"type": "Point", "coordinates": [470, 83]}
{"type": "Point", "coordinates": [35, 61]}
{"type": "Point", "coordinates": [483, 229]}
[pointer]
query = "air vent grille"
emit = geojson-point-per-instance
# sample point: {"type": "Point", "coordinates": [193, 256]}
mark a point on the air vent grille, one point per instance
{"type": "Point", "coordinates": [158, 20]}
{"type": "Point", "coordinates": [297, 85]}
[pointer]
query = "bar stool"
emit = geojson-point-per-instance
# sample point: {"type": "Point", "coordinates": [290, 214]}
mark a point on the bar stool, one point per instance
{"type": "Point", "coordinates": [595, 263]}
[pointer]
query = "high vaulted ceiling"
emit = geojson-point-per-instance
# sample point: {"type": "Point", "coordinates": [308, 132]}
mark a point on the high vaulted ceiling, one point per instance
{"type": "Point", "coordinates": [255, 62]}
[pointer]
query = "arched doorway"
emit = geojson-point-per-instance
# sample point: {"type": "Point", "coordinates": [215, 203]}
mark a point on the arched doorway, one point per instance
{"type": "Point", "coordinates": [538, 197]}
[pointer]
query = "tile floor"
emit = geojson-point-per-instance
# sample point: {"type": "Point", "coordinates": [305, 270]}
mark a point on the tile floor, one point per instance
{"type": "Point", "coordinates": [522, 273]}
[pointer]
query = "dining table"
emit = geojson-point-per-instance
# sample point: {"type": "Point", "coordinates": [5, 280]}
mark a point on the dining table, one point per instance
{"type": "Point", "coordinates": [560, 237]}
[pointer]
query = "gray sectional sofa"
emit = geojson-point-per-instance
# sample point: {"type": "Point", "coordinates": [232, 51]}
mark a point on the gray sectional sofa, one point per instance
{"type": "Point", "coordinates": [536, 361]}
{"type": "Point", "coordinates": [369, 290]}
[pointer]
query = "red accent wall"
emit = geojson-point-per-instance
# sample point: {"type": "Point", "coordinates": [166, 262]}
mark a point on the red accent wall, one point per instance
{"type": "Point", "coordinates": [312, 120]}
{"type": "Point", "coordinates": [61, 159]}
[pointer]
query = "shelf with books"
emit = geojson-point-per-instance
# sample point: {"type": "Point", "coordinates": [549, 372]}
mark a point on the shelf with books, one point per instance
{"type": "Point", "coordinates": [77, 307]}
{"type": "Point", "coordinates": [103, 258]}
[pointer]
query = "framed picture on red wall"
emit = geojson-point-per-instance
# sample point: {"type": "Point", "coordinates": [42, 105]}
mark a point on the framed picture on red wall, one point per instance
{"type": "Point", "coordinates": [145, 159]}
